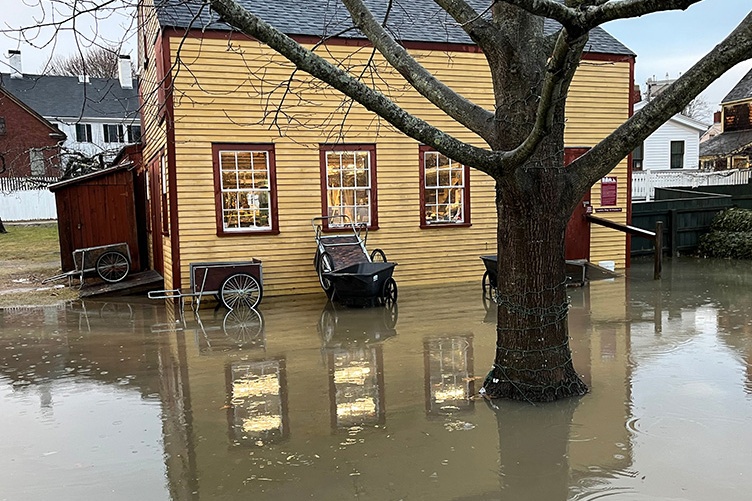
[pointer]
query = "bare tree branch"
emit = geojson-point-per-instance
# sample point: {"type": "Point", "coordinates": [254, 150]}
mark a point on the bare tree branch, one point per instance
{"type": "Point", "coordinates": [595, 164]}
{"type": "Point", "coordinates": [559, 73]}
{"type": "Point", "coordinates": [480, 30]}
{"type": "Point", "coordinates": [472, 116]}
{"type": "Point", "coordinates": [249, 24]}
{"type": "Point", "coordinates": [586, 15]}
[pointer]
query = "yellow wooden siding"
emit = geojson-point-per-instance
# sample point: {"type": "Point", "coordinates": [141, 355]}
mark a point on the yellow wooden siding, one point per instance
{"type": "Point", "coordinates": [154, 132]}
{"type": "Point", "coordinates": [231, 108]}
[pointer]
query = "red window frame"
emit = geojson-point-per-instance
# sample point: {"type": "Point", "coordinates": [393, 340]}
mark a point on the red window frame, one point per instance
{"type": "Point", "coordinates": [218, 205]}
{"type": "Point", "coordinates": [371, 149]}
{"type": "Point", "coordinates": [466, 195]}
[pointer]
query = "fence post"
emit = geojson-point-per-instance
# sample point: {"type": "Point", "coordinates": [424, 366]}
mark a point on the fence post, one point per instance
{"type": "Point", "coordinates": [658, 252]}
{"type": "Point", "coordinates": [674, 233]}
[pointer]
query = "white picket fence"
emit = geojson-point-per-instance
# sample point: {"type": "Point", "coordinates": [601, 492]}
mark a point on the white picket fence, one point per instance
{"type": "Point", "coordinates": [26, 199]}
{"type": "Point", "coordinates": [645, 182]}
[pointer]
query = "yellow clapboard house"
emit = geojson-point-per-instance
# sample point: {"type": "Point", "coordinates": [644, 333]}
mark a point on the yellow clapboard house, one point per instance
{"type": "Point", "coordinates": [242, 151]}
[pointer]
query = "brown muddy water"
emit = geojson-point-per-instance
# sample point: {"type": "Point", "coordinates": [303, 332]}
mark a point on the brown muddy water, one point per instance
{"type": "Point", "coordinates": [128, 401]}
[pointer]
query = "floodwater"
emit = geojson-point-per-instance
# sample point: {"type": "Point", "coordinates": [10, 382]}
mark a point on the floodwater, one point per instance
{"type": "Point", "coordinates": [130, 401]}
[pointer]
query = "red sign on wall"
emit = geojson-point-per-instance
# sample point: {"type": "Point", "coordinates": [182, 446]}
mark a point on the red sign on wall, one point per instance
{"type": "Point", "coordinates": [608, 190]}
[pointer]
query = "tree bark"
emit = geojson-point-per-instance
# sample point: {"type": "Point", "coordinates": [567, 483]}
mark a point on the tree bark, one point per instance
{"type": "Point", "coordinates": [533, 361]}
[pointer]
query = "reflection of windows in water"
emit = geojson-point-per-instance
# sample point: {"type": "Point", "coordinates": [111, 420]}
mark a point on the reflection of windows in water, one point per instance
{"type": "Point", "coordinates": [348, 184]}
{"type": "Point", "coordinates": [257, 401]}
{"type": "Point", "coordinates": [449, 374]}
{"type": "Point", "coordinates": [444, 188]}
{"type": "Point", "coordinates": [246, 190]}
{"type": "Point", "coordinates": [358, 386]}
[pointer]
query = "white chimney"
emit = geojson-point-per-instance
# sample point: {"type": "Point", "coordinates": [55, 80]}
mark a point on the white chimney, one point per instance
{"type": "Point", "coordinates": [14, 57]}
{"type": "Point", "coordinates": [124, 72]}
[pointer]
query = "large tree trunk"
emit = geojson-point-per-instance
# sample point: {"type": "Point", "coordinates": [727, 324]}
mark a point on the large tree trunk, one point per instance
{"type": "Point", "coordinates": [533, 361]}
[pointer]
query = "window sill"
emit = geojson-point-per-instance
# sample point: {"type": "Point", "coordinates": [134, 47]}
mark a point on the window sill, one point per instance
{"type": "Point", "coordinates": [425, 226]}
{"type": "Point", "coordinates": [245, 233]}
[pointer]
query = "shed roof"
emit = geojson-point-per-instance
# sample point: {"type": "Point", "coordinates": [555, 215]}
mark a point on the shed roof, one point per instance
{"type": "Point", "coordinates": [742, 90]}
{"type": "Point", "coordinates": [88, 177]}
{"type": "Point", "coordinates": [726, 144]}
{"type": "Point", "coordinates": [409, 20]}
{"type": "Point", "coordinates": [63, 97]}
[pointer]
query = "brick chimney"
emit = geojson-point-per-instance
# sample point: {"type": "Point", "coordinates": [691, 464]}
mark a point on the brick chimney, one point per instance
{"type": "Point", "coordinates": [124, 72]}
{"type": "Point", "coordinates": [14, 60]}
{"type": "Point", "coordinates": [717, 117]}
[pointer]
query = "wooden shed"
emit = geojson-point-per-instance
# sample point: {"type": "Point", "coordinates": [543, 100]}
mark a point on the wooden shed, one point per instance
{"type": "Point", "coordinates": [99, 209]}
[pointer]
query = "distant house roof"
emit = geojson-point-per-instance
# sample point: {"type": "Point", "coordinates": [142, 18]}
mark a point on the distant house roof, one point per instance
{"type": "Point", "coordinates": [727, 144]}
{"type": "Point", "coordinates": [409, 20]}
{"type": "Point", "coordinates": [54, 130]}
{"type": "Point", "coordinates": [680, 119]}
{"type": "Point", "coordinates": [742, 90]}
{"type": "Point", "coordinates": [63, 97]}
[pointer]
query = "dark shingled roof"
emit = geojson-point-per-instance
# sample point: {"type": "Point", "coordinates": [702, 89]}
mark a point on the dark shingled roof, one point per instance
{"type": "Point", "coordinates": [742, 90]}
{"type": "Point", "coordinates": [727, 143]}
{"type": "Point", "coordinates": [63, 97]}
{"type": "Point", "coordinates": [409, 20]}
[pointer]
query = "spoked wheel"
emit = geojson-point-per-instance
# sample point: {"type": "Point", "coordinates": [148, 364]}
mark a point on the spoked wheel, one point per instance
{"type": "Point", "coordinates": [391, 313]}
{"type": "Point", "coordinates": [244, 326]}
{"type": "Point", "coordinates": [327, 325]}
{"type": "Point", "coordinates": [112, 266]}
{"type": "Point", "coordinates": [240, 290]}
{"type": "Point", "coordinates": [389, 293]}
{"type": "Point", "coordinates": [378, 256]}
{"type": "Point", "coordinates": [325, 265]}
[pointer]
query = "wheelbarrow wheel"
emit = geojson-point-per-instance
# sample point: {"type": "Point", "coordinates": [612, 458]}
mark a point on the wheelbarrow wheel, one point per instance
{"type": "Point", "coordinates": [240, 290]}
{"type": "Point", "coordinates": [325, 265]}
{"type": "Point", "coordinates": [486, 284]}
{"type": "Point", "coordinates": [112, 266]}
{"type": "Point", "coordinates": [244, 326]}
{"type": "Point", "coordinates": [389, 294]}
{"type": "Point", "coordinates": [378, 256]}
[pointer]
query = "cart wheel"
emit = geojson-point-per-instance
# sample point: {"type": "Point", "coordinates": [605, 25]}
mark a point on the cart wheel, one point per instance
{"type": "Point", "coordinates": [327, 325]}
{"type": "Point", "coordinates": [378, 256]}
{"type": "Point", "coordinates": [389, 294]}
{"type": "Point", "coordinates": [244, 326]}
{"type": "Point", "coordinates": [325, 265]}
{"type": "Point", "coordinates": [112, 266]}
{"type": "Point", "coordinates": [240, 289]}
{"type": "Point", "coordinates": [391, 313]}
{"type": "Point", "coordinates": [486, 284]}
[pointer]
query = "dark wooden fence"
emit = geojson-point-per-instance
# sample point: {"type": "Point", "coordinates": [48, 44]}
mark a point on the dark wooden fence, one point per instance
{"type": "Point", "coordinates": [686, 215]}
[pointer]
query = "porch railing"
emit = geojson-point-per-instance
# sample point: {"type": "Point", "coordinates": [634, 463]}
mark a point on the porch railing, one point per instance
{"type": "Point", "coordinates": [645, 182]}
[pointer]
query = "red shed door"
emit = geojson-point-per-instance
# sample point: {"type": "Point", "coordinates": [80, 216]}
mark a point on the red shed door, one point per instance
{"type": "Point", "coordinates": [577, 240]}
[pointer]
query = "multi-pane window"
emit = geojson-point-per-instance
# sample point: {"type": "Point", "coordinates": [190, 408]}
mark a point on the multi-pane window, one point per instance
{"type": "Point", "coordinates": [83, 133]}
{"type": "Point", "coordinates": [245, 177]}
{"type": "Point", "coordinates": [2, 126]}
{"type": "Point", "coordinates": [349, 175]}
{"type": "Point", "coordinates": [677, 154]}
{"type": "Point", "coordinates": [113, 133]}
{"type": "Point", "coordinates": [445, 191]}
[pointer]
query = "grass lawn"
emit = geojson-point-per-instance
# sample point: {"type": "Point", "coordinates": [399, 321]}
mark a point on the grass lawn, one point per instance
{"type": "Point", "coordinates": [28, 255]}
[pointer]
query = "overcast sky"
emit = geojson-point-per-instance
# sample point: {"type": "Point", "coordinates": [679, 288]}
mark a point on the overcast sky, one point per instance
{"type": "Point", "coordinates": [665, 43]}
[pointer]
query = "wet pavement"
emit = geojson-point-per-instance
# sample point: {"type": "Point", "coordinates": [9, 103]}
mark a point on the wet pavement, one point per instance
{"type": "Point", "coordinates": [123, 400]}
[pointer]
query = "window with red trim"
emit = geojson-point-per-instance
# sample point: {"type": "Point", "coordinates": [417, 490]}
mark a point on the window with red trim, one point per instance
{"type": "Point", "coordinates": [348, 183]}
{"type": "Point", "coordinates": [445, 190]}
{"type": "Point", "coordinates": [245, 187]}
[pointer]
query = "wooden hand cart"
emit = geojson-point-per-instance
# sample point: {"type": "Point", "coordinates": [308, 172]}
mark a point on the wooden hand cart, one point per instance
{"type": "Point", "coordinates": [111, 263]}
{"type": "Point", "coordinates": [235, 284]}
